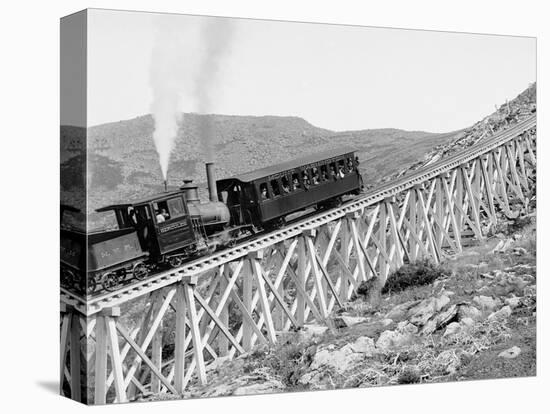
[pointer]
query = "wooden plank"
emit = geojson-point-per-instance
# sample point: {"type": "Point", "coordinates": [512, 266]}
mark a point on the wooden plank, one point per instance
{"type": "Point", "coordinates": [116, 362]}
{"type": "Point", "coordinates": [358, 256]}
{"type": "Point", "coordinates": [154, 369]}
{"type": "Point", "coordinates": [247, 300]}
{"type": "Point", "coordinates": [266, 309]}
{"type": "Point", "coordinates": [474, 209]}
{"type": "Point", "coordinates": [317, 278]}
{"type": "Point", "coordinates": [156, 353]}
{"type": "Point", "coordinates": [396, 247]}
{"type": "Point", "coordinates": [278, 296]}
{"type": "Point", "coordinates": [328, 280]}
{"type": "Point", "coordinates": [100, 380]}
{"type": "Point", "coordinates": [179, 340]}
{"type": "Point", "coordinates": [435, 253]}
{"type": "Point", "coordinates": [75, 357]}
{"type": "Point", "coordinates": [223, 343]}
{"type": "Point", "coordinates": [149, 337]}
{"type": "Point", "coordinates": [301, 282]}
{"type": "Point", "coordinates": [195, 333]}
{"type": "Point", "coordinates": [64, 345]}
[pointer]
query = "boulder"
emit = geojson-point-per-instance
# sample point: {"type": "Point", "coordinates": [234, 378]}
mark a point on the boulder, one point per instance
{"type": "Point", "coordinates": [510, 353]}
{"type": "Point", "coordinates": [467, 324]}
{"type": "Point", "coordinates": [486, 303]}
{"type": "Point", "coordinates": [267, 387]}
{"type": "Point", "coordinates": [453, 328]}
{"type": "Point", "coordinates": [468, 311]}
{"type": "Point", "coordinates": [422, 312]}
{"type": "Point", "coordinates": [310, 330]}
{"type": "Point", "coordinates": [513, 302]}
{"type": "Point", "coordinates": [501, 314]}
{"type": "Point", "coordinates": [339, 359]}
{"type": "Point", "coordinates": [364, 345]}
{"type": "Point", "coordinates": [345, 321]}
{"type": "Point", "coordinates": [393, 340]}
{"type": "Point", "coordinates": [399, 312]}
{"type": "Point", "coordinates": [440, 320]}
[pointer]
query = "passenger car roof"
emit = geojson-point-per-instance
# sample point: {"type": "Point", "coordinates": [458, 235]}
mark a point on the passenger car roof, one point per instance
{"type": "Point", "coordinates": [289, 165]}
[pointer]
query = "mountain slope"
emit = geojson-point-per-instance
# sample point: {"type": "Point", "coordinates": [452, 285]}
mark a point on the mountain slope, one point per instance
{"type": "Point", "coordinates": [123, 162]}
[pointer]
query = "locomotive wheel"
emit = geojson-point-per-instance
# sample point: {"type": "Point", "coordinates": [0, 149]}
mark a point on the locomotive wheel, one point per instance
{"type": "Point", "coordinates": [67, 278]}
{"type": "Point", "coordinates": [175, 261]}
{"type": "Point", "coordinates": [109, 282]}
{"type": "Point", "coordinates": [140, 271]}
{"type": "Point", "coordinates": [91, 285]}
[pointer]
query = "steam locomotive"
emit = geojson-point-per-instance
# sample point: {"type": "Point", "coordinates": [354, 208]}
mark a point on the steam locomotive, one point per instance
{"type": "Point", "coordinates": [170, 228]}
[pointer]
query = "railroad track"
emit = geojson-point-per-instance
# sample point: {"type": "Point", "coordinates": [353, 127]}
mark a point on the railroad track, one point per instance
{"type": "Point", "coordinates": [95, 304]}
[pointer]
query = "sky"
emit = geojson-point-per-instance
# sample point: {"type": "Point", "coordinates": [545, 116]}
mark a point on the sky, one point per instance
{"type": "Point", "coordinates": [334, 76]}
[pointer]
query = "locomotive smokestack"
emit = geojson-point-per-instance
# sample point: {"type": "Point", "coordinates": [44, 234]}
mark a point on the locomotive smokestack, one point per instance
{"type": "Point", "coordinates": [211, 178]}
{"type": "Point", "coordinates": [165, 186]}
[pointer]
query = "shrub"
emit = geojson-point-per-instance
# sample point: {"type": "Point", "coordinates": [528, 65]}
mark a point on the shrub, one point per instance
{"type": "Point", "coordinates": [290, 361]}
{"type": "Point", "coordinates": [413, 274]}
{"type": "Point", "coordinates": [409, 376]}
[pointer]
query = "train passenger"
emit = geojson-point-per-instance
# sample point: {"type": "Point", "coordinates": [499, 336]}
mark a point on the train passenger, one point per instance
{"type": "Point", "coordinates": [350, 165]}
{"type": "Point", "coordinates": [341, 172]}
{"type": "Point", "coordinates": [286, 189]}
{"type": "Point", "coordinates": [315, 179]}
{"type": "Point", "coordinates": [160, 217]}
{"type": "Point", "coordinates": [305, 179]}
{"type": "Point", "coordinates": [295, 183]}
{"type": "Point", "coordinates": [263, 190]}
{"type": "Point", "coordinates": [333, 172]}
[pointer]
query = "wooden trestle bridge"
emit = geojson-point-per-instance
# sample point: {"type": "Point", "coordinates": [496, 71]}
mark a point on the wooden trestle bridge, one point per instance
{"type": "Point", "coordinates": [225, 304]}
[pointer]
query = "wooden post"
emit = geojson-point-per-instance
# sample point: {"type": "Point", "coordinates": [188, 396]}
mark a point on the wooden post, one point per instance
{"type": "Point", "coordinates": [321, 296]}
{"type": "Point", "coordinates": [382, 239]}
{"type": "Point", "coordinates": [223, 343]}
{"type": "Point", "coordinates": [301, 276]}
{"type": "Point", "coordinates": [75, 357]}
{"type": "Point", "coordinates": [100, 361]}
{"type": "Point", "coordinates": [255, 259]}
{"type": "Point", "coordinates": [64, 344]}
{"type": "Point", "coordinates": [156, 352]}
{"type": "Point", "coordinates": [179, 340]}
{"type": "Point", "coordinates": [439, 211]}
{"type": "Point", "coordinates": [359, 258]}
{"type": "Point", "coordinates": [188, 287]}
{"type": "Point", "coordinates": [247, 301]}
{"type": "Point", "coordinates": [413, 245]}
{"type": "Point", "coordinates": [344, 253]}
{"type": "Point", "coordinates": [110, 316]}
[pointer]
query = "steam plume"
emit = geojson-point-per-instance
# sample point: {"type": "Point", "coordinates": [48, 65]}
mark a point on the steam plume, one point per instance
{"type": "Point", "coordinates": [185, 64]}
{"type": "Point", "coordinates": [216, 37]}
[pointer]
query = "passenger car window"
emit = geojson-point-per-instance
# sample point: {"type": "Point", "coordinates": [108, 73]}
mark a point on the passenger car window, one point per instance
{"type": "Point", "coordinates": [263, 191]}
{"type": "Point", "coordinates": [295, 182]}
{"type": "Point", "coordinates": [341, 169]}
{"type": "Point", "coordinates": [275, 188]}
{"type": "Point", "coordinates": [285, 185]}
{"type": "Point", "coordinates": [314, 172]}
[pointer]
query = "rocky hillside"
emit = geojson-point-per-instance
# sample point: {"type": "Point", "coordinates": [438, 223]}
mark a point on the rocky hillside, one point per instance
{"type": "Point", "coordinates": [507, 115]}
{"type": "Point", "coordinates": [475, 318]}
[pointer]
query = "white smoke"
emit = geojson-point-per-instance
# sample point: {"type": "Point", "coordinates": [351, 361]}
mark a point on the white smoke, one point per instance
{"type": "Point", "coordinates": [216, 37]}
{"type": "Point", "coordinates": [185, 63]}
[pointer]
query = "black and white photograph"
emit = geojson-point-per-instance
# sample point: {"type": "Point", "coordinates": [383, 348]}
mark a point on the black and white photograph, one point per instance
{"type": "Point", "coordinates": [258, 206]}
